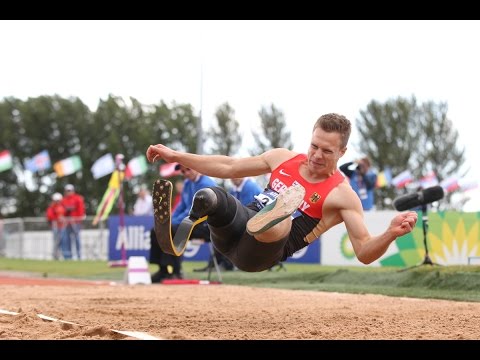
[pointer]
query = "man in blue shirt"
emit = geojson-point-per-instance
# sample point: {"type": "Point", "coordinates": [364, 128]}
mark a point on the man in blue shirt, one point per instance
{"type": "Point", "coordinates": [194, 181]}
{"type": "Point", "coordinates": [362, 180]}
{"type": "Point", "coordinates": [244, 189]}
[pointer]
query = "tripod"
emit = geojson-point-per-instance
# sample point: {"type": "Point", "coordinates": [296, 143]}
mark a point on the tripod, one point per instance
{"type": "Point", "coordinates": [426, 260]}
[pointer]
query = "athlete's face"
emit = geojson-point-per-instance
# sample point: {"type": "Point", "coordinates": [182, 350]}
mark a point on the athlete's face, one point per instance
{"type": "Point", "coordinates": [324, 152]}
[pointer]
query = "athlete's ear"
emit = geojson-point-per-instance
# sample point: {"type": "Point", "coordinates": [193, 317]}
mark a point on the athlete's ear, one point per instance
{"type": "Point", "coordinates": [343, 151]}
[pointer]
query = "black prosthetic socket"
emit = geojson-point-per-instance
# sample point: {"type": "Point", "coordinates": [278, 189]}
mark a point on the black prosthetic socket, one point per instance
{"type": "Point", "coordinates": [225, 210]}
{"type": "Point", "coordinates": [204, 203]}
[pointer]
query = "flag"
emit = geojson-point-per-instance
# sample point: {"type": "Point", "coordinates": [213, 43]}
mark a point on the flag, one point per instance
{"type": "Point", "coordinates": [429, 180]}
{"type": "Point", "coordinates": [450, 184]}
{"type": "Point", "coordinates": [39, 162]}
{"type": "Point", "coordinates": [68, 166]}
{"type": "Point", "coordinates": [6, 161]}
{"type": "Point", "coordinates": [109, 198]}
{"type": "Point", "coordinates": [136, 166]}
{"type": "Point", "coordinates": [467, 184]}
{"type": "Point", "coordinates": [384, 178]}
{"type": "Point", "coordinates": [402, 179]}
{"type": "Point", "coordinates": [168, 170]}
{"type": "Point", "coordinates": [103, 166]}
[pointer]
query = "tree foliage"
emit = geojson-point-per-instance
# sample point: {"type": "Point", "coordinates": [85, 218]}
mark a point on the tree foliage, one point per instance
{"type": "Point", "coordinates": [401, 134]}
{"type": "Point", "coordinates": [225, 135]}
{"type": "Point", "coordinates": [66, 127]}
{"type": "Point", "coordinates": [274, 133]}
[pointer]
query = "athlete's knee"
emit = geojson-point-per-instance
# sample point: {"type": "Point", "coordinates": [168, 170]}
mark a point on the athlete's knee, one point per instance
{"type": "Point", "coordinates": [205, 202]}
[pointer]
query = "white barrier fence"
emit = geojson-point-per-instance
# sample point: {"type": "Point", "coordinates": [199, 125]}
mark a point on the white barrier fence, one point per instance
{"type": "Point", "coordinates": [32, 238]}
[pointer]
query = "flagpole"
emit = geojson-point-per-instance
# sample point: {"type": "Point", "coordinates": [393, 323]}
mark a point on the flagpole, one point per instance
{"type": "Point", "coordinates": [121, 208]}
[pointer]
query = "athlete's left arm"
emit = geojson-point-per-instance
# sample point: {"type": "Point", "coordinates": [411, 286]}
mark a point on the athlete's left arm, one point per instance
{"type": "Point", "coordinates": [369, 248]}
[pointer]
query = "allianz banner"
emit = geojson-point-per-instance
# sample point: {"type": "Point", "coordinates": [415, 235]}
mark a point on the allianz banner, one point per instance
{"type": "Point", "coordinates": [136, 240]}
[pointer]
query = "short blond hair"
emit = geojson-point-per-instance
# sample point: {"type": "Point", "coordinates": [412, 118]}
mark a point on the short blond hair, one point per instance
{"type": "Point", "coordinates": [335, 123]}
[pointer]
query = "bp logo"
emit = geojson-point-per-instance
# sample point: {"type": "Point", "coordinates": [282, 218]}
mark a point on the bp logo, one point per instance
{"type": "Point", "coordinates": [346, 247]}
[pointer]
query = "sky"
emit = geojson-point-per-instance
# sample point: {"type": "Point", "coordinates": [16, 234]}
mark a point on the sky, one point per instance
{"type": "Point", "coordinates": [304, 68]}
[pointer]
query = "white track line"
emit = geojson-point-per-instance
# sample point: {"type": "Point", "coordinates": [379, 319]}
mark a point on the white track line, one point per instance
{"type": "Point", "coordinates": [136, 334]}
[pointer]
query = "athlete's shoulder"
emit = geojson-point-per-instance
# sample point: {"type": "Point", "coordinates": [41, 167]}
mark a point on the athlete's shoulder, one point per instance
{"type": "Point", "coordinates": [277, 156]}
{"type": "Point", "coordinates": [343, 196]}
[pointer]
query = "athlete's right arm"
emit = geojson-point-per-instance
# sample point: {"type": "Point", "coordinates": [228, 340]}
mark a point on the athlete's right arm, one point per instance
{"type": "Point", "coordinates": [221, 166]}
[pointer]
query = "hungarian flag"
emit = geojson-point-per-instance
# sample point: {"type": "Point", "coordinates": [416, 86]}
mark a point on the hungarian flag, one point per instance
{"type": "Point", "coordinates": [109, 198]}
{"type": "Point", "coordinates": [6, 161]}
{"type": "Point", "coordinates": [136, 166]}
{"type": "Point", "coordinates": [68, 166]}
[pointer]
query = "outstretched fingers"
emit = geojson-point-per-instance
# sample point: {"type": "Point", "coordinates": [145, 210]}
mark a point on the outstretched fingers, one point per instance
{"type": "Point", "coordinates": [152, 154]}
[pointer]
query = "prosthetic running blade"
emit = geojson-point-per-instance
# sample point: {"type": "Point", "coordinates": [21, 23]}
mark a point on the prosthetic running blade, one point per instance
{"type": "Point", "coordinates": [162, 211]}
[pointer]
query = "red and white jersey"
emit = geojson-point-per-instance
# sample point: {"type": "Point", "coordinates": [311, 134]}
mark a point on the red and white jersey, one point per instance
{"type": "Point", "coordinates": [287, 174]}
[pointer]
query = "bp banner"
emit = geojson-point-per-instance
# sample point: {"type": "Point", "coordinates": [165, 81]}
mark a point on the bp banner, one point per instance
{"type": "Point", "coordinates": [452, 239]}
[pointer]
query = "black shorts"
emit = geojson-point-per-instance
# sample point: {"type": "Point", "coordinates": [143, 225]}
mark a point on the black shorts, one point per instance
{"type": "Point", "coordinates": [241, 248]}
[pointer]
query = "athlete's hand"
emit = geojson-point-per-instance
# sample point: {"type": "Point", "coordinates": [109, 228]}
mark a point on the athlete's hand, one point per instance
{"type": "Point", "coordinates": [158, 152]}
{"type": "Point", "coordinates": [403, 223]}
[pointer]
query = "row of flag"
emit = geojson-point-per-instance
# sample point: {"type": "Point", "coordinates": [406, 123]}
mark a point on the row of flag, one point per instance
{"type": "Point", "coordinates": [453, 183]}
{"type": "Point", "coordinates": [101, 167]}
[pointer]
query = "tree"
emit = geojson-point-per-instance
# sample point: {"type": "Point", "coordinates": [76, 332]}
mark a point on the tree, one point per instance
{"type": "Point", "coordinates": [440, 152]}
{"type": "Point", "coordinates": [66, 127]}
{"type": "Point", "coordinates": [44, 123]}
{"type": "Point", "coordinates": [274, 132]}
{"type": "Point", "coordinates": [401, 135]}
{"type": "Point", "coordinates": [224, 135]}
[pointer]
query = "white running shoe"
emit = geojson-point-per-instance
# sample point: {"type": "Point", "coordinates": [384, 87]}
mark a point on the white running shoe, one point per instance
{"type": "Point", "coordinates": [284, 205]}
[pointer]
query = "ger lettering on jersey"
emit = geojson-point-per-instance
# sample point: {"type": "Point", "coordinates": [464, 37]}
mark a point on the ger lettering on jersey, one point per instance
{"type": "Point", "coordinates": [288, 174]}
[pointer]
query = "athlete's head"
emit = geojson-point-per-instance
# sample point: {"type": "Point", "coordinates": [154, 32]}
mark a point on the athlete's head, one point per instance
{"type": "Point", "coordinates": [329, 143]}
{"type": "Point", "coordinates": [335, 123]}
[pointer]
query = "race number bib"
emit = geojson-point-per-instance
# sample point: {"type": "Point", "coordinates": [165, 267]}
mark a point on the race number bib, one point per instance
{"type": "Point", "coordinates": [265, 198]}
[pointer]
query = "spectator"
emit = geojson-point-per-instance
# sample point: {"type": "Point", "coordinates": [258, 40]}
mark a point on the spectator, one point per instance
{"type": "Point", "coordinates": [74, 214]}
{"type": "Point", "coordinates": [194, 182]}
{"type": "Point", "coordinates": [362, 179]}
{"type": "Point", "coordinates": [178, 195]}
{"type": "Point", "coordinates": [143, 205]}
{"type": "Point", "coordinates": [244, 189]}
{"type": "Point", "coordinates": [56, 219]}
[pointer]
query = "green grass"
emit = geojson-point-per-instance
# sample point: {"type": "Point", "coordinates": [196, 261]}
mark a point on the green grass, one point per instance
{"type": "Point", "coordinates": [441, 282]}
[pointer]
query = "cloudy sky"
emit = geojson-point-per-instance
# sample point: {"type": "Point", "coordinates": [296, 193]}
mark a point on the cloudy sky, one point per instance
{"type": "Point", "coordinates": [305, 68]}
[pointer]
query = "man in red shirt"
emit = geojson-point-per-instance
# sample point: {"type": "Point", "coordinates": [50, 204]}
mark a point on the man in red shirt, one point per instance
{"type": "Point", "coordinates": [56, 219]}
{"type": "Point", "coordinates": [74, 214]}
